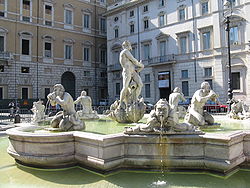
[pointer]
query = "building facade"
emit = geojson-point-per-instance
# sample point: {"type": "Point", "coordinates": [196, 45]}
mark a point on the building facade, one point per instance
{"type": "Point", "coordinates": [44, 42]}
{"type": "Point", "coordinates": [181, 43]}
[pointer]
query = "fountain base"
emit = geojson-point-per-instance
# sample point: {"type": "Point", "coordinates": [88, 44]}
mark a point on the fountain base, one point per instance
{"type": "Point", "coordinates": [221, 153]}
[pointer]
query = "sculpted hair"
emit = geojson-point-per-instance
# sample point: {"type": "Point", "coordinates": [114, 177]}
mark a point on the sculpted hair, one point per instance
{"type": "Point", "coordinates": [125, 44]}
{"type": "Point", "coordinates": [204, 84]}
{"type": "Point", "coordinates": [60, 86]}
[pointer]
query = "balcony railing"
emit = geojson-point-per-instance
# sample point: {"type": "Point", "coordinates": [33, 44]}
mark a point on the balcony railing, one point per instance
{"type": "Point", "coordinates": [115, 67]}
{"type": "Point", "coordinates": [160, 60]}
{"type": "Point", "coordinates": [6, 56]}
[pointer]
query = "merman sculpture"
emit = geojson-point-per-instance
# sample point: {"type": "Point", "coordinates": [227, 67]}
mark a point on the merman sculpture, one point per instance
{"type": "Point", "coordinates": [66, 120]}
{"type": "Point", "coordinates": [38, 110]}
{"type": "Point", "coordinates": [87, 112]}
{"type": "Point", "coordinates": [196, 114]}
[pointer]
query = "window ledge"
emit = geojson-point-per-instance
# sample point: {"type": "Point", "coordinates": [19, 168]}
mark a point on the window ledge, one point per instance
{"type": "Point", "coordinates": [48, 60]}
{"type": "Point", "coordinates": [68, 62]}
{"type": "Point", "coordinates": [185, 78]}
{"type": "Point", "coordinates": [66, 26]}
{"type": "Point", "coordinates": [25, 58]}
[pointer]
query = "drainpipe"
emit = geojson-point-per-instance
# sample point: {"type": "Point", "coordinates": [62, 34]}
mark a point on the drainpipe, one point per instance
{"type": "Point", "coordinates": [195, 41]}
{"type": "Point", "coordinates": [138, 33]}
{"type": "Point", "coordinates": [95, 67]}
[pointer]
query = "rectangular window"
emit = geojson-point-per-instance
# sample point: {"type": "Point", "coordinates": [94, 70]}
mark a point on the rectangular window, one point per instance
{"type": "Point", "coordinates": [162, 20]}
{"type": "Point", "coordinates": [117, 88]}
{"type": "Point", "coordinates": [131, 13]}
{"type": "Point", "coordinates": [25, 47]}
{"type": "Point", "coordinates": [116, 33]}
{"type": "Point", "coordinates": [147, 77]}
{"type": "Point", "coordinates": [234, 35]}
{"type": "Point", "coordinates": [236, 80]}
{"type": "Point", "coordinates": [116, 57]}
{"type": "Point", "coordinates": [162, 2]}
{"type": "Point", "coordinates": [103, 56]}
{"type": "Point", "coordinates": [68, 52]}
{"type": "Point", "coordinates": [25, 69]}
{"type": "Point", "coordinates": [147, 90]}
{"type": "Point", "coordinates": [86, 21]}
{"type": "Point", "coordinates": [68, 17]}
{"type": "Point", "coordinates": [183, 45]}
{"type": "Point", "coordinates": [145, 8]}
{"type": "Point", "coordinates": [1, 93]}
{"type": "Point", "coordinates": [132, 28]}
{"type": "Point", "coordinates": [162, 48]}
{"type": "Point", "coordinates": [146, 51]}
{"type": "Point", "coordinates": [204, 8]}
{"type": "Point", "coordinates": [208, 72]}
{"type": "Point", "coordinates": [184, 74]}
{"type": "Point", "coordinates": [25, 93]}
{"type": "Point", "coordinates": [206, 40]}
{"type": "Point", "coordinates": [48, 23]}
{"type": "Point", "coordinates": [1, 13]}
{"type": "Point", "coordinates": [26, 4]}
{"type": "Point", "coordinates": [210, 81]}
{"type": "Point", "coordinates": [48, 9]}
{"type": "Point", "coordinates": [185, 88]}
{"type": "Point", "coordinates": [182, 14]}
{"type": "Point", "coordinates": [86, 73]}
{"type": "Point", "coordinates": [46, 92]}
{"type": "Point", "coordinates": [86, 54]}
{"type": "Point", "coordinates": [26, 18]}
{"type": "Point", "coordinates": [103, 74]}
{"type": "Point", "coordinates": [145, 24]}
{"type": "Point", "coordinates": [1, 43]}
{"type": "Point", "coordinates": [103, 25]}
{"type": "Point", "coordinates": [1, 68]}
{"type": "Point", "coordinates": [48, 50]}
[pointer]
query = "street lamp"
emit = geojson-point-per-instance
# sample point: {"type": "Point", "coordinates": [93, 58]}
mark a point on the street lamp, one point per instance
{"type": "Point", "coordinates": [228, 4]}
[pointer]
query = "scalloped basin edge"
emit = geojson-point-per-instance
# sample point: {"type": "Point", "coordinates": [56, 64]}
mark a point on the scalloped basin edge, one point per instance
{"type": "Point", "coordinates": [220, 153]}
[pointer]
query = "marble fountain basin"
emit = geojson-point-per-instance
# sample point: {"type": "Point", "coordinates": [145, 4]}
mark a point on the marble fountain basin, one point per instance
{"type": "Point", "coordinates": [214, 152]}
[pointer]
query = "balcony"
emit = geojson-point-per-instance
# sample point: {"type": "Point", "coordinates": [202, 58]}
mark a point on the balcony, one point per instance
{"type": "Point", "coordinates": [115, 67]}
{"type": "Point", "coordinates": [6, 57]}
{"type": "Point", "coordinates": [160, 60]}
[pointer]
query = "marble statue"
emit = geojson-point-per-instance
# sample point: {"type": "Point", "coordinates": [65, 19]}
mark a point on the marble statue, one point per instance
{"type": "Point", "coordinates": [174, 99]}
{"type": "Point", "coordinates": [86, 102]}
{"type": "Point", "coordinates": [129, 108]}
{"type": "Point", "coordinates": [161, 120]}
{"type": "Point", "coordinates": [239, 110]}
{"type": "Point", "coordinates": [38, 110]}
{"type": "Point", "coordinates": [66, 120]}
{"type": "Point", "coordinates": [196, 115]}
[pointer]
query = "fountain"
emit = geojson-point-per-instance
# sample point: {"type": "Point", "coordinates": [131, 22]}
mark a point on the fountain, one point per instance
{"type": "Point", "coordinates": [160, 143]}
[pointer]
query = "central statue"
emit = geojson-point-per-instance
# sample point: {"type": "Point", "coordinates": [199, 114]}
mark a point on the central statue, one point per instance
{"type": "Point", "coordinates": [129, 108]}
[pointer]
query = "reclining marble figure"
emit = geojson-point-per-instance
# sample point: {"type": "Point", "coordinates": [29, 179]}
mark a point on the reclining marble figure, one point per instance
{"type": "Point", "coordinates": [66, 120]}
{"type": "Point", "coordinates": [161, 120]}
{"type": "Point", "coordinates": [196, 114]}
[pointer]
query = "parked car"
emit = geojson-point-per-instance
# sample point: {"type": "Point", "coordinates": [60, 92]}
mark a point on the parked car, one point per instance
{"type": "Point", "coordinates": [185, 103]}
{"type": "Point", "coordinates": [149, 106]}
{"type": "Point", "coordinates": [216, 107]}
{"type": "Point", "coordinates": [104, 102]}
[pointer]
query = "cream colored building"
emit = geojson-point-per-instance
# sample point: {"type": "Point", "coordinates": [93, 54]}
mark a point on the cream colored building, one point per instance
{"type": "Point", "coordinates": [44, 42]}
{"type": "Point", "coordinates": [181, 43]}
